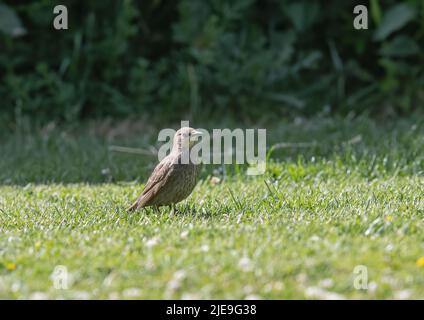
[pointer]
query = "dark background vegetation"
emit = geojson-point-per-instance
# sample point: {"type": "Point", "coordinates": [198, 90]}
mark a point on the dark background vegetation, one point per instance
{"type": "Point", "coordinates": [197, 59]}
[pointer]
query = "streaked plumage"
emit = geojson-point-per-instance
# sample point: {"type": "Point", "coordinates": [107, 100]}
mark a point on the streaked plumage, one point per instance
{"type": "Point", "coordinates": [171, 181]}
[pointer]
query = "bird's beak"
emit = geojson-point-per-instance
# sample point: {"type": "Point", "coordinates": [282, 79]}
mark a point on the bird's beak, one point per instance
{"type": "Point", "coordinates": [195, 134]}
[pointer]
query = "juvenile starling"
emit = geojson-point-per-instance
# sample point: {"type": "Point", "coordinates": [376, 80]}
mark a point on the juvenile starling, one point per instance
{"type": "Point", "coordinates": [173, 179]}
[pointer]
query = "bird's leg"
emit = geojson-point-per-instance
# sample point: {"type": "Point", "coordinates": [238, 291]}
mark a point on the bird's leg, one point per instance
{"type": "Point", "coordinates": [173, 209]}
{"type": "Point", "coordinates": [156, 209]}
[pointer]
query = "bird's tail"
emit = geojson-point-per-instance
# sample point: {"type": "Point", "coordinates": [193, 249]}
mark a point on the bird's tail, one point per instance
{"type": "Point", "coordinates": [133, 207]}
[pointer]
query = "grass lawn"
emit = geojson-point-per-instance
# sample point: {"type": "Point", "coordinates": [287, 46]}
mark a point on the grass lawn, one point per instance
{"type": "Point", "coordinates": [339, 193]}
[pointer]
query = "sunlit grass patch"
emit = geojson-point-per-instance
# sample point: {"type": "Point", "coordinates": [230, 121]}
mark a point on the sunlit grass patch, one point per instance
{"type": "Point", "coordinates": [299, 231]}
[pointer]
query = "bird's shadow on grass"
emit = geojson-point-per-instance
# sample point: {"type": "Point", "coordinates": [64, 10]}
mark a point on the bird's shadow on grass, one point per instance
{"type": "Point", "coordinates": [187, 210]}
{"type": "Point", "coordinates": [182, 210]}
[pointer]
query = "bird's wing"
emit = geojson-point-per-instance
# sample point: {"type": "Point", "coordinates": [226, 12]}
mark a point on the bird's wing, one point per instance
{"type": "Point", "coordinates": [159, 174]}
{"type": "Point", "coordinates": [156, 180]}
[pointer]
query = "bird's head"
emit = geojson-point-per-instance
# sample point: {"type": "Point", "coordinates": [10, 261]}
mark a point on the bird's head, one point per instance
{"type": "Point", "coordinates": [186, 137]}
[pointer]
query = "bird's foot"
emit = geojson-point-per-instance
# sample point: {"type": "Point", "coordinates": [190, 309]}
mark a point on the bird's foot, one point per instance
{"type": "Point", "coordinates": [173, 211]}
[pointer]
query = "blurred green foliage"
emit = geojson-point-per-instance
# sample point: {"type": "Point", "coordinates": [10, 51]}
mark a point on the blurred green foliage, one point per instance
{"type": "Point", "coordinates": [191, 58]}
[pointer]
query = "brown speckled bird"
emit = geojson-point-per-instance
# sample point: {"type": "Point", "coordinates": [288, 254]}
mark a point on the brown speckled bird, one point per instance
{"type": "Point", "coordinates": [173, 179]}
